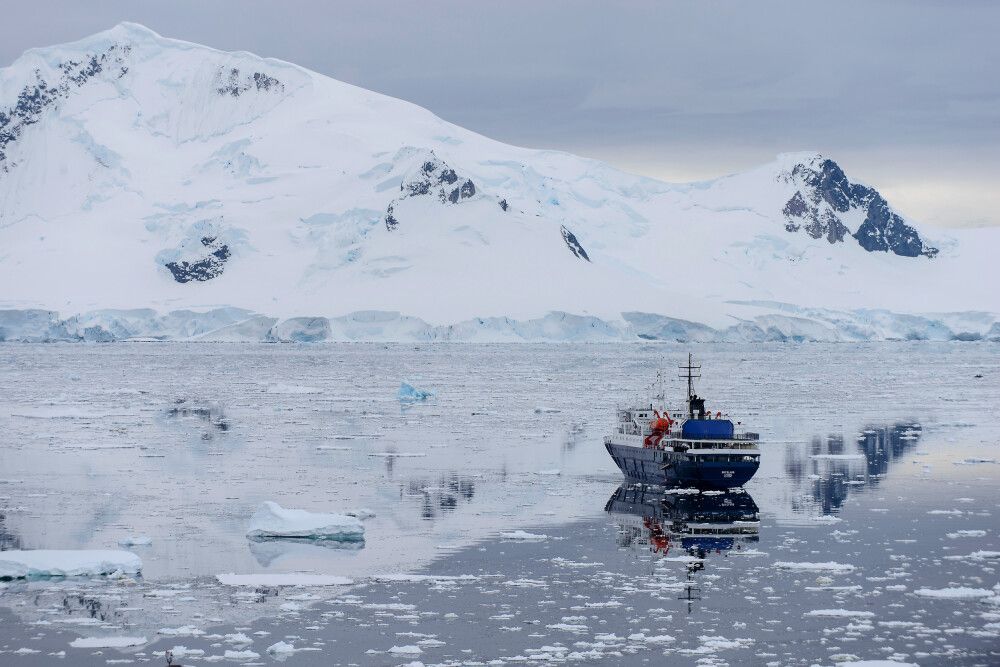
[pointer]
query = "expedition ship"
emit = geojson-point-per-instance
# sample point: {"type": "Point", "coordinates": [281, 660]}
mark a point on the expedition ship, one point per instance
{"type": "Point", "coordinates": [693, 447]}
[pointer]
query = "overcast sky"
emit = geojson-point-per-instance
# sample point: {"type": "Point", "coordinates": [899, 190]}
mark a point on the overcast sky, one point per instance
{"type": "Point", "coordinates": [904, 94]}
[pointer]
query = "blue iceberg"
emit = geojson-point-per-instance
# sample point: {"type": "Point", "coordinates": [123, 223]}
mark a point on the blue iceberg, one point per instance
{"type": "Point", "coordinates": [408, 393]}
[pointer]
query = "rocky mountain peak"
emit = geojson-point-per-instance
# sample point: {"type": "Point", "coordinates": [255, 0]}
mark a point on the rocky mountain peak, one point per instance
{"type": "Point", "coordinates": [825, 197]}
{"type": "Point", "coordinates": [433, 177]}
{"type": "Point", "coordinates": [44, 79]}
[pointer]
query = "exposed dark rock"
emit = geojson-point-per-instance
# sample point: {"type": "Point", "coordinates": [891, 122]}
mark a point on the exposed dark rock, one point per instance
{"type": "Point", "coordinates": [265, 82]}
{"type": "Point", "coordinates": [434, 177]}
{"type": "Point", "coordinates": [503, 204]}
{"type": "Point", "coordinates": [390, 219]}
{"type": "Point", "coordinates": [35, 99]}
{"type": "Point", "coordinates": [796, 206]}
{"type": "Point", "coordinates": [232, 82]}
{"type": "Point", "coordinates": [885, 231]}
{"type": "Point", "coordinates": [573, 244]}
{"type": "Point", "coordinates": [828, 225]}
{"type": "Point", "coordinates": [829, 183]}
{"type": "Point", "coordinates": [826, 191]}
{"type": "Point", "coordinates": [204, 268]}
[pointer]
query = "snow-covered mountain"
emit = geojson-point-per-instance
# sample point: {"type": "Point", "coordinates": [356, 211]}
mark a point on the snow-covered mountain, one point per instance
{"type": "Point", "coordinates": [154, 187]}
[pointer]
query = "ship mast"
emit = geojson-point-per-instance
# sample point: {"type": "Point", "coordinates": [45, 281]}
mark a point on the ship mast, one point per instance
{"type": "Point", "coordinates": [691, 376]}
{"type": "Point", "coordinates": [659, 395]}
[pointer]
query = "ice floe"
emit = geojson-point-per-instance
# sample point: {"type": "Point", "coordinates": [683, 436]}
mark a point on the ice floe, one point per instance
{"type": "Point", "coordinates": [836, 568]}
{"type": "Point", "coordinates": [966, 533]}
{"type": "Point", "coordinates": [840, 613]}
{"type": "Point", "coordinates": [409, 649]}
{"type": "Point", "coordinates": [282, 580]}
{"type": "Point", "coordinates": [523, 535]}
{"type": "Point", "coordinates": [955, 593]}
{"type": "Point", "coordinates": [420, 578]}
{"type": "Point", "coordinates": [107, 642]}
{"type": "Point", "coordinates": [241, 655]}
{"type": "Point", "coordinates": [182, 631]}
{"type": "Point", "coordinates": [292, 389]}
{"type": "Point", "coordinates": [272, 520]}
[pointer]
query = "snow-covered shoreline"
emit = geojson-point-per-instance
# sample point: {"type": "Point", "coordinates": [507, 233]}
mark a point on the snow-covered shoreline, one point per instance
{"type": "Point", "coordinates": [754, 322]}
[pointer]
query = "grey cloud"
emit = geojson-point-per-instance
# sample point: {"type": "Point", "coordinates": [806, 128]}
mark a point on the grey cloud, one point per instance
{"type": "Point", "coordinates": [670, 88]}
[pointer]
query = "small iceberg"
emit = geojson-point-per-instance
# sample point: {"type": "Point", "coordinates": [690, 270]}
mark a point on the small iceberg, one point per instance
{"type": "Point", "coordinates": [107, 642]}
{"type": "Point", "coordinates": [67, 563]}
{"type": "Point", "coordinates": [409, 394]}
{"type": "Point", "coordinates": [271, 520]}
{"type": "Point", "coordinates": [281, 650]}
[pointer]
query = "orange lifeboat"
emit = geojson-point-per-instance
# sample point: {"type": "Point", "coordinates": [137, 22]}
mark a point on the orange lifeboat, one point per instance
{"type": "Point", "coordinates": [658, 427]}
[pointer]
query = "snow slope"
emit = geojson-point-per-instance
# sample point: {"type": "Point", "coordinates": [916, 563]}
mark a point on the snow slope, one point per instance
{"type": "Point", "coordinates": [138, 172]}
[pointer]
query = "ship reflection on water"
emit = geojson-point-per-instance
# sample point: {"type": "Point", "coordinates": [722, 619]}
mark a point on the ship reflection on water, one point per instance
{"type": "Point", "coordinates": [684, 525]}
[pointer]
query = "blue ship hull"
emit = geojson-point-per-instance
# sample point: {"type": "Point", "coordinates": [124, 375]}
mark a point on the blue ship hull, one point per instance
{"type": "Point", "coordinates": [666, 468]}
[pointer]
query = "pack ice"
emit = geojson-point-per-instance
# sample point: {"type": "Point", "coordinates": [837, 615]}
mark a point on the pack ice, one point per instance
{"type": "Point", "coordinates": [67, 563]}
{"type": "Point", "coordinates": [273, 521]}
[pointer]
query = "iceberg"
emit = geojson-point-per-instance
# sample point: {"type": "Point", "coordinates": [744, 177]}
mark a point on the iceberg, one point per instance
{"type": "Point", "coordinates": [409, 394]}
{"type": "Point", "coordinates": [66, 563]}
{"type": "Point", "coordinates": [271, 520]}
{"type": "Point", "coordinates": [281, 648]}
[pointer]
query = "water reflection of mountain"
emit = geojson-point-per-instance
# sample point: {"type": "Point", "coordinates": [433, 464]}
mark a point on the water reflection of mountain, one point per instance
{"type": "Point", "coordinates": [440, 496]}
{"type": "Point", "coordinates": [697, 524]}
{"type": "Point", "coordinates": [835, 468]}
{"type": "Point", "coordinates": [8, 539]}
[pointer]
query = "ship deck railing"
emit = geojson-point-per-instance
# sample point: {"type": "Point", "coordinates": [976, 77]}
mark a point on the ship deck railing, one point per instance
{"type": "Point", "coordinates": [734, 445]}
{"type": "Point", "coordinates": [708, 529]}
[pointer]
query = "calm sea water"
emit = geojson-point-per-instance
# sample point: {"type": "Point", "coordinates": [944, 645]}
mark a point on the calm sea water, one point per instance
{"type": "Point", "coordinates": [870, 532]}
